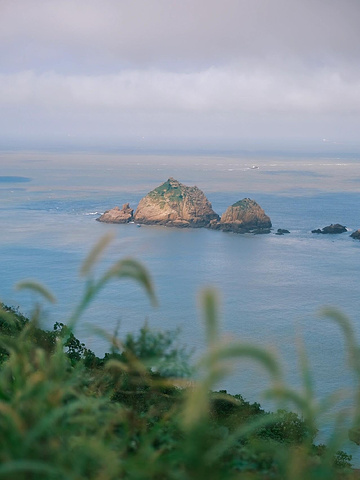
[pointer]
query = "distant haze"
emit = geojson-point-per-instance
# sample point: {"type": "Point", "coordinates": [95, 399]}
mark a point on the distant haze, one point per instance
{"type": "Point", "coordinates": [152, 73]}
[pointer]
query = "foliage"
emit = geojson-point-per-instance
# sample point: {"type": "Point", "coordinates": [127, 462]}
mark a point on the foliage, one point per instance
{"type": "Point", "coordinates": [244, 204]}
{"type": "Point", "coordinates": [172, 192]}
{"type": "Point", "coordinates": [159, 351]}
{"type": "Point", "coordinates": [133, 414]}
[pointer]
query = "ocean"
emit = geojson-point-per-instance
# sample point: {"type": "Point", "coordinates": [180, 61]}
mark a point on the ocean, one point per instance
{"type": "Point", "coordinates": [271, 289]}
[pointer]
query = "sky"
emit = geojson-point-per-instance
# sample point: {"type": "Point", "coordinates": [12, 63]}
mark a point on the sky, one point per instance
{"type": "Point", "coordinates": [159, 73]}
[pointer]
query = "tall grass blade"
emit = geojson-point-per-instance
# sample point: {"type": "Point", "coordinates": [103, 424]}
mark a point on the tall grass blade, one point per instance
{"type": "Point", "coordinates": [37, 288]}
{"type": "Point", "coordinates": [209, 303]}
{"type": "Point", "coordinates": [95, 254]}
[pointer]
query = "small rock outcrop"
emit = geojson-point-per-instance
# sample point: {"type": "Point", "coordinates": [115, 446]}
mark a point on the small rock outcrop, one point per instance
{"type": "Point", "coordinates": [176, 205]}
{"type": "Point", "coordinates": [331, 229]}
{"type": "Point", "coordinates": [117, 215]}
{"type": "Point", "coordinates": [356, 235]}
{"type": "Point", "coordinates": [281, 231]}
{"type": "Point", "coordinates": [245, 216]}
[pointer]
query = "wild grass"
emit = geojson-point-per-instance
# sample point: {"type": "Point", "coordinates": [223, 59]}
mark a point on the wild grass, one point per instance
{"type": "Point", "coordinates": [141, 413]}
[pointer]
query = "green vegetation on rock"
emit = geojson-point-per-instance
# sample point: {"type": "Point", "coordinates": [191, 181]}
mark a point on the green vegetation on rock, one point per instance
{"type": "Point", "coordinates": [244, 204]}
{"type": "Point", "coordinates": [170, 189]}
{"type": "Point", "coordinates": [175, 204]}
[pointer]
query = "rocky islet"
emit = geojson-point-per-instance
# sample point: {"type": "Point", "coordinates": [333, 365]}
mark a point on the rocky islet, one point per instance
{"type": "Point", "coordinates": [356, 234]}
{"type": "Point", "coordinates": [282, 231]}
{"type": "Point", "coordinates": [244, 216]}
{"type": "Point", "coordinates": [117, 215]}
{"type": "Point", "coordinates": [333, 229]}
{"type": "Point", "coordinates": [177, 205]}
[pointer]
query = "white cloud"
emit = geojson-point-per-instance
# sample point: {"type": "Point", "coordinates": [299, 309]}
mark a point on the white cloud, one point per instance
{"type": "Point", "coordinates": [196, 66]}
{"type": "Point", "coordinates": [211, 90]}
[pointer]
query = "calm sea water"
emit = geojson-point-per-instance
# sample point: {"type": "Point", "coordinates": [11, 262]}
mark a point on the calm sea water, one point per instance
{"type": "Point", "coordinates": [270, 288]}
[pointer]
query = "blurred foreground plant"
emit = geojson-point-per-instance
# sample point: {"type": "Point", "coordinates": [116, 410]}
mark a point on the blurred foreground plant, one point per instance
{"type": "Point", "coordinates": [67, 414]}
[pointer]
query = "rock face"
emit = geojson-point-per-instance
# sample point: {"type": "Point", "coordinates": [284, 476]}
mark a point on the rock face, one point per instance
{"type": "Point", "coordinates": [117, 215]}
{"type": "Point", "coordinates": [245, 216]}
{"type": "Point", "coordinates": [331, 229]}
{"type": "Point", "coordinates": [175, 204]}
{"type": "Point", "coordinates": [356, 234]}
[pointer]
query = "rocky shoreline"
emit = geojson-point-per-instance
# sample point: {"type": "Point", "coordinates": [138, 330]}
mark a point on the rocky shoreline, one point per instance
{"type": "Point", "coordinates": [174, 204]}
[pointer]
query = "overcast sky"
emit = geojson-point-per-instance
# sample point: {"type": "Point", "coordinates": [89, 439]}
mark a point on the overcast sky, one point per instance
{"type": "Point", "coordinates": [163, 72]}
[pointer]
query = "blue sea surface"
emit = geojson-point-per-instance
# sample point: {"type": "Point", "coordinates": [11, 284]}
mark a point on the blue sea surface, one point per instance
{"type": "Point", "coordinates": [271, 288]}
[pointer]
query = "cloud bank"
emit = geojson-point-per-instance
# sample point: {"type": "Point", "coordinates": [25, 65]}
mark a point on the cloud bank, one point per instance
{"type": "Point", "coordinates": [236, 69]}
{"type": "Point", "coordinates": [212, 90]}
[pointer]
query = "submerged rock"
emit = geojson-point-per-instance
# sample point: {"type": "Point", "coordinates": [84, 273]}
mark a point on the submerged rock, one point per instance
{"type": "Point", "coordinates": [245, 216]}
{"type": "Point", "coordinates": [117, 215]}
{"type": "Point", "coordinates": [331, 229]}
{"type": "Point", "coordinates": [177, 205]}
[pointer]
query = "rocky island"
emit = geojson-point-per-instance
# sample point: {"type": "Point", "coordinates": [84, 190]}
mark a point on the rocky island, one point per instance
{"type": "Point", "coordinates": [244, 216]}
{"type": "Point", "coordinates": [331, 229]}
{"type": "Point", "coordinates": [282, 231]}
{"type": "Point", "coordinates": [117, 215]}
{"type": "Point", "coordinates": [356, 235]}
{"type": "Point", "coordinates": [176, 205]}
